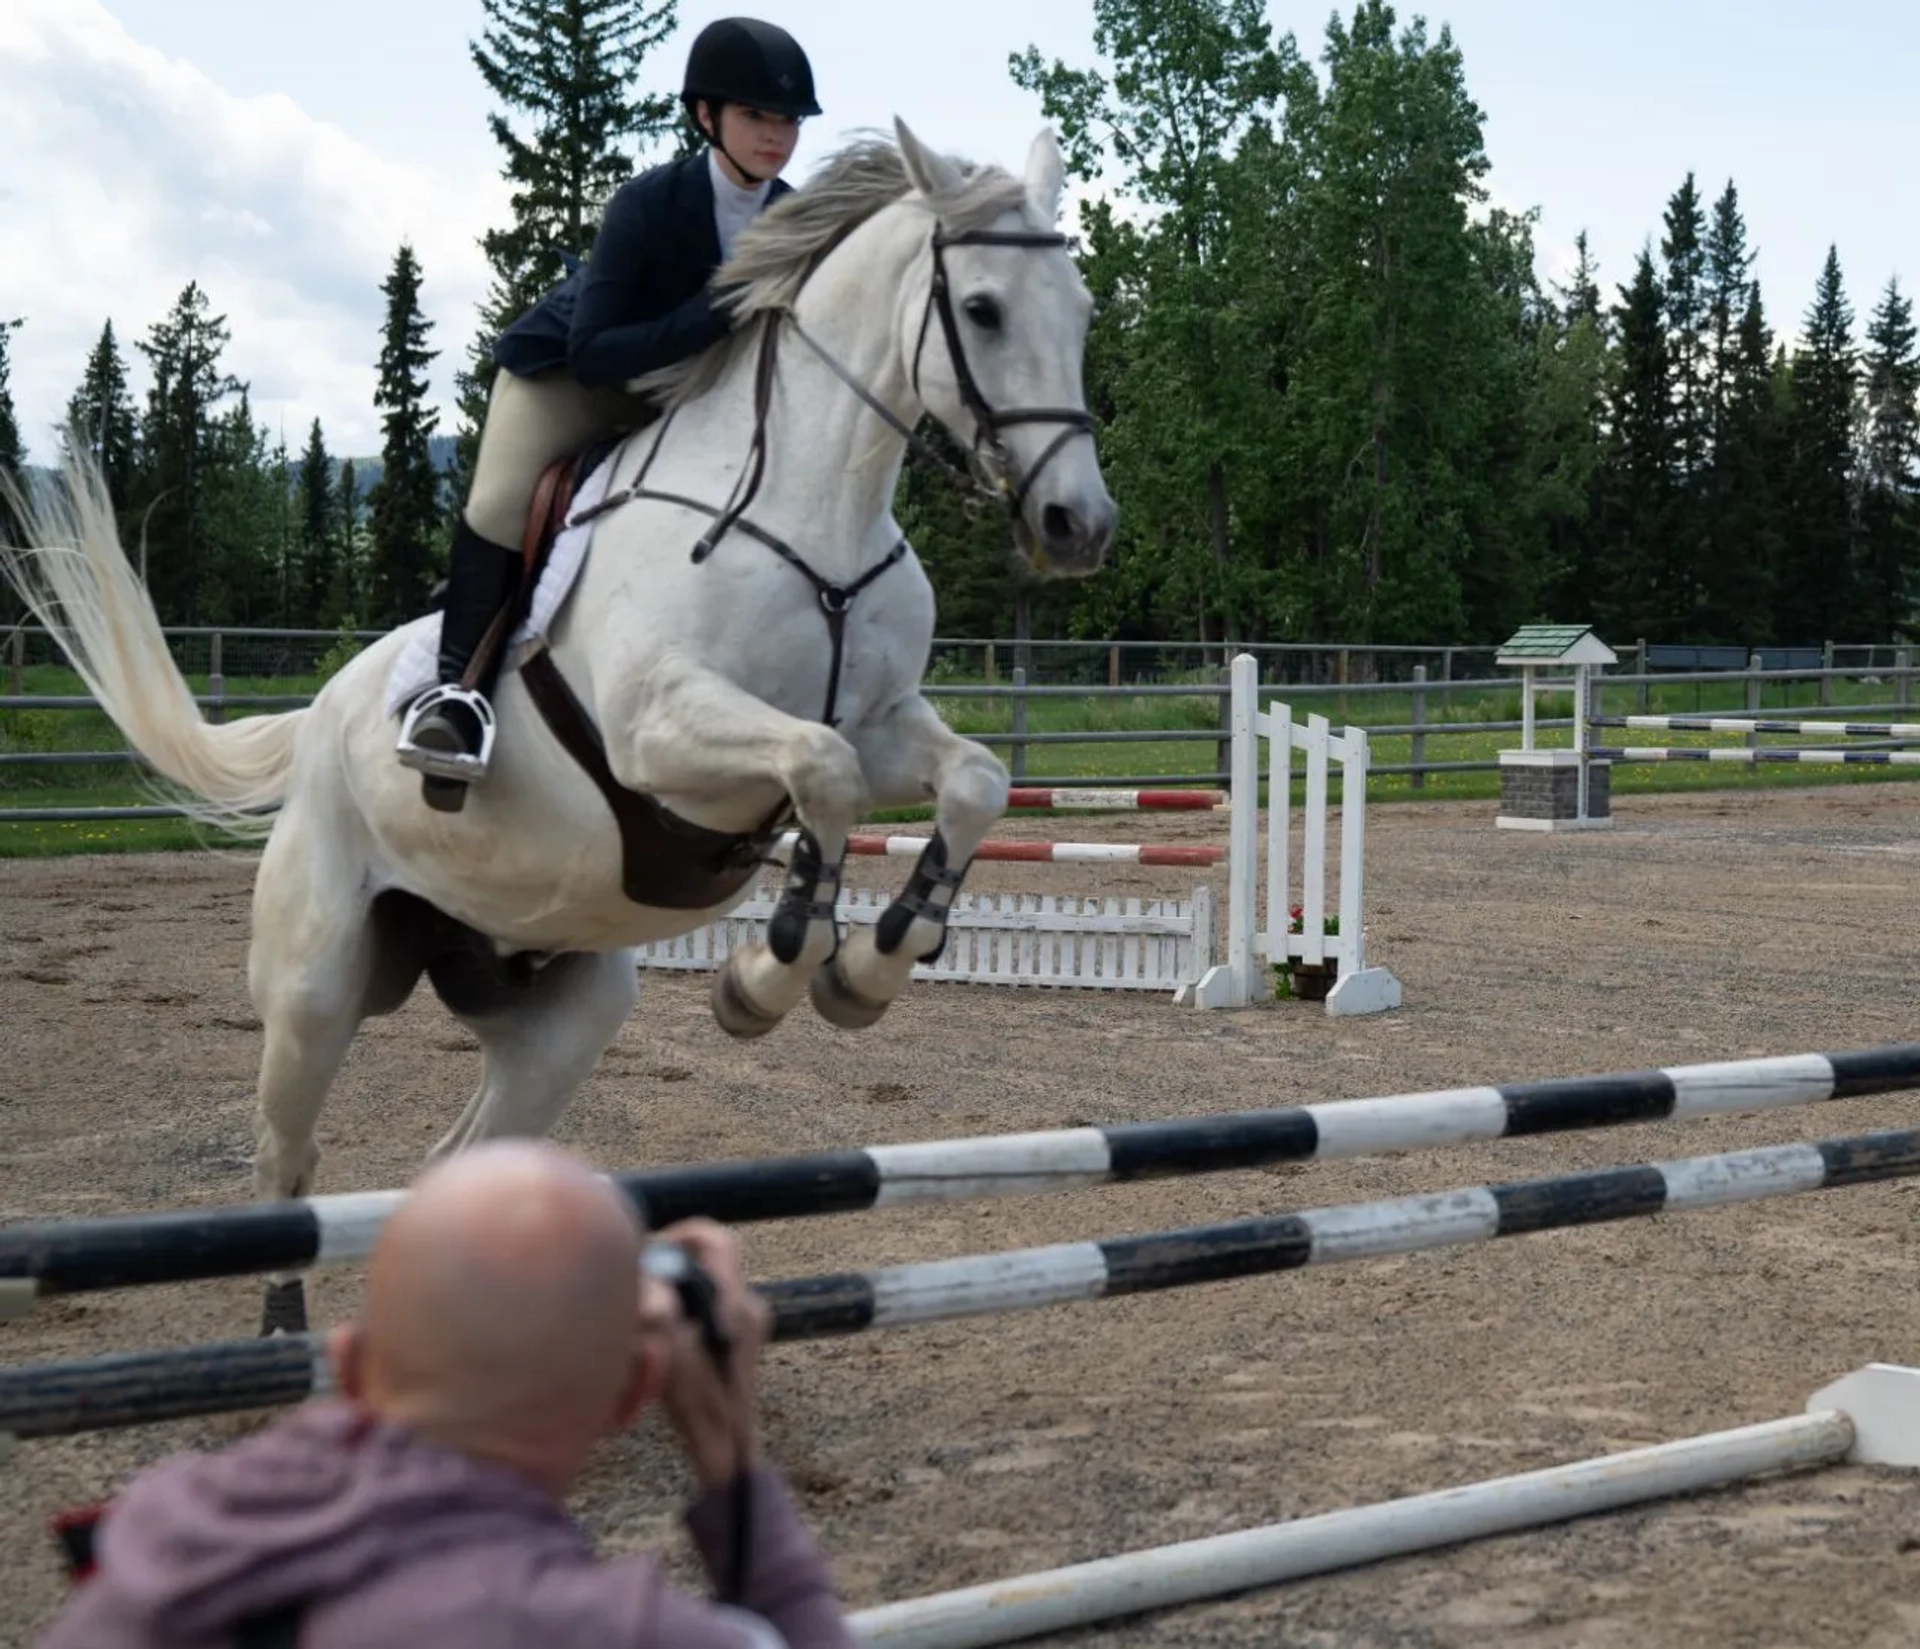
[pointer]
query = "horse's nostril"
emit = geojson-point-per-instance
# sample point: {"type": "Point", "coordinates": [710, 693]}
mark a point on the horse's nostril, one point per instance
{"type": "Point", "coordinates": [1056, 521]}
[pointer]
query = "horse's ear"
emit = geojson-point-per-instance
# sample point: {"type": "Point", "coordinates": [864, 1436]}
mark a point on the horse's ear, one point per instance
{"type": "Point", "coordinates": [933, 175]}
{"type": "Point", "coordinates": [1045, 174]}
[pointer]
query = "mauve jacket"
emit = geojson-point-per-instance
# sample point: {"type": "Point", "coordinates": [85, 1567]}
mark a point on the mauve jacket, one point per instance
{"type": "Point", "coordinates": [387, 1540]}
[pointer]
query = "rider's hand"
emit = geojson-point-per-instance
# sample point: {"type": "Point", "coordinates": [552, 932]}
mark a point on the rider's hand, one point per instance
{"type": "Point", "coordinates": [716, 1416]}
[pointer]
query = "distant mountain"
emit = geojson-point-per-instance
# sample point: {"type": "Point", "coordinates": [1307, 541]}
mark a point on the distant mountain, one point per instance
{"type": "Point", "coordinates": [367, 471]}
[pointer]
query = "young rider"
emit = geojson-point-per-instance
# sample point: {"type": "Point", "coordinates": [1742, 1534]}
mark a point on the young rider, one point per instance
{"type": "Point", "coordinates": [639, 302]}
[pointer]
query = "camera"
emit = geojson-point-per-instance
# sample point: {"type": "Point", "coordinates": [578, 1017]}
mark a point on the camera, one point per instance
{"type": "Point", "coordinates": [699, 1299]}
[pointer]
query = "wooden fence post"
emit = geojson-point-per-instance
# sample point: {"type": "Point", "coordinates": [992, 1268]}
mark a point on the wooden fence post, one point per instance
{"type": "Point", "coordinates": [1018, 765]}
{"type": "Point", "coordinates": [1417, 751]}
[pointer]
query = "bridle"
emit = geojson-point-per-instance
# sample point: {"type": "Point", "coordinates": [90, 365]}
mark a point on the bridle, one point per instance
{"type": "Point", "coordinates": [989, 475]}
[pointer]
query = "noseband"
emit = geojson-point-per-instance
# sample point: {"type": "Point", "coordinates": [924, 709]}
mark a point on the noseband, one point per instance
{"type": "Point", "coordinates": [991, 463]}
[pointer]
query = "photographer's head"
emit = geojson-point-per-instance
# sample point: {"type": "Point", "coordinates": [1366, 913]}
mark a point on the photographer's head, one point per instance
{"type": "Point", "coordinates": [503, 1312]}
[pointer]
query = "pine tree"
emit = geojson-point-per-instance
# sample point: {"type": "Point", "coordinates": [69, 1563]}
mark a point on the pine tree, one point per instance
{"type": "Point", "coordinates": [1684, 286]}
{"type": "Point", "coordinates": [12, 451]}
{"type": "Point", "coordinates": [1891, 508]}
{"type": "Point", "coordinates": [12, 456]}
{"type": "Point", "coordinates": [349, 571]}
{"type": "Point", "coordinates": [1746, 488]}
{"type": "Point", "coordinates": [1735, 534]}
{"type": "Point", "coordinates": [1818, 594]}
{"type": "Point", "coordinates": [1638, 485]}
{"type": "Point", "coordinates": [175, 448]}
{"type": "Point", "coordinates": [102, 411]}
{"type": "Point", "coordinates": [1728, 282]}
{"type": "Point", "coordinates": [406, 502]}
{"type": "Point", "coordinates": [567, 68]}
{"type": "Point", "coordinates": [313, 588]}
{"type": "Point", "coordinates": [1580, 297]}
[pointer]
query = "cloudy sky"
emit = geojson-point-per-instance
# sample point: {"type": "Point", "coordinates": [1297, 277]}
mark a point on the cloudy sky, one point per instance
{"type": "Point", "coordinates": [278, 153]}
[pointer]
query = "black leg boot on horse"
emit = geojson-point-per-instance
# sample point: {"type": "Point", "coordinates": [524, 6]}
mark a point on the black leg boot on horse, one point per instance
{"type": "Point", "coordinates": [448, 732]}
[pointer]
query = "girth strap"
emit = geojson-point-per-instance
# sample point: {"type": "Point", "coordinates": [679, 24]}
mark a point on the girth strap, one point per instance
{"type": "Point", "coordinates": [666, 861]}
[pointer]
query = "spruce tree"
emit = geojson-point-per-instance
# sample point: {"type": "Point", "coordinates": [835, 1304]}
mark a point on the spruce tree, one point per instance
{"type": "Point", "coordinates": [101, 410]}
{"type": "Point", "coordinates": [1818, 594]}
{"type": "Point", "coordinates": [1733, 496]}
{"type": "Point", "coordinates": [406, 502]}
{"type": "Point", "coordinates": [1684, 286]}
{"type": "Point", "coordinates": [176, 451]}
{"type": "Point", "coordinates": [1746, 489]}
{"type": "Point", "coordinates": [566, 72]}
{"type": "Point", "coordinates": [1636, 527]}
{"type": "Point", "coordinates": [1580, 297]}
{"type": "Point", "coordinates": [313, 588]}
{"type": "Point", "coordinates": [1891, 506]}
{"type": "Point", "coordinates": [1728, 267]}
{"type": "Point", "coordinates": [346, 594]}
{"type": "Point", "coordinates": [12, 456]}
{"type": "Point", "coordinates": [12, 450]}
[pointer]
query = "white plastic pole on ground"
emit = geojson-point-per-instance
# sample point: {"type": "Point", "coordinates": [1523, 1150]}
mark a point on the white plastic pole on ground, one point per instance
{"type": "Point", "coordinates": [1873, 1416]}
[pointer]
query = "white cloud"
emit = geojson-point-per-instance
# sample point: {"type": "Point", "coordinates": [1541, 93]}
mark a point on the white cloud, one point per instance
{"type": "Point", "coordinates": [128, 173]}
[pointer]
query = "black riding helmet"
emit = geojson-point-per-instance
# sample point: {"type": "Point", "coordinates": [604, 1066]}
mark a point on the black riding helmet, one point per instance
{"type": "Point", "coordinates": [743, 60]}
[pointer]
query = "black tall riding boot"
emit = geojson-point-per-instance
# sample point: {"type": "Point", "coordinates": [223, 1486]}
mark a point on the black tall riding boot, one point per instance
{"type": "Point", "coordinates": [447, 731]}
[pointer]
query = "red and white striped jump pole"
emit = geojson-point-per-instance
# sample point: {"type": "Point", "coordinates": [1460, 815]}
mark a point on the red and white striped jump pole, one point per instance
{"type": "Point", "coordinates": [1120, 801]}
{"type": "Point", "coordinates": [1056, 853]}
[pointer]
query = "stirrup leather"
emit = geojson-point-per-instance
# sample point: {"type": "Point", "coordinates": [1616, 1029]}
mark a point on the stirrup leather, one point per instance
{"type": "Point", "coordinates": [447, 764]}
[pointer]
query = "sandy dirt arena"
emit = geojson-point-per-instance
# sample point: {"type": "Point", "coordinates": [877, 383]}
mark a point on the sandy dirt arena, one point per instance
{"type": "Point", "coordinates": [1701, 927]}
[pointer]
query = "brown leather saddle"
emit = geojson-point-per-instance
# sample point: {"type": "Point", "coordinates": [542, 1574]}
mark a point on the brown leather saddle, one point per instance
{"type": "Point", "coordinates": [666, 861]}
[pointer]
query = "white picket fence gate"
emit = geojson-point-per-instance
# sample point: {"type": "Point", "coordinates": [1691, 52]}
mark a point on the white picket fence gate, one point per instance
{"type": "Point", "coordinates": [1161, 945]}
{"type": "Point", "coordinates": [1131, 944]}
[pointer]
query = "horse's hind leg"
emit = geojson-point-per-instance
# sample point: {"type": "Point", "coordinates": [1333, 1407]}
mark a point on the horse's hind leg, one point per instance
{"type": "Point", "coordinates": [539, 1042]}
{"type": "Point", "coordinates": [312, 959]}
{"type": "Point", "coordinates": [909, 755]}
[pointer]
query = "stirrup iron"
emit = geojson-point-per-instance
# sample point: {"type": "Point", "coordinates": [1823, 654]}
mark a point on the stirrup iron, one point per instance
{"type": "Point", "coordinates": [447, 764]}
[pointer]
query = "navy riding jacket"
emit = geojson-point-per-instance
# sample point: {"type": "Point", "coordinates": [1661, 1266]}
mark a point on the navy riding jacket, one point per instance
{"type": "Point", "coordinates": [641, 299]}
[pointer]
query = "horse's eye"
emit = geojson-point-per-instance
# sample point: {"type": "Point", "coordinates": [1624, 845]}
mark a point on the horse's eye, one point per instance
{"type": "Point", "coordinates": [983, 312]}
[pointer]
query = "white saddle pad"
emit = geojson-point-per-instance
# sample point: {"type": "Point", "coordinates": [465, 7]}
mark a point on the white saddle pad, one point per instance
{"type": "Point", "coordinates": [417, 668]}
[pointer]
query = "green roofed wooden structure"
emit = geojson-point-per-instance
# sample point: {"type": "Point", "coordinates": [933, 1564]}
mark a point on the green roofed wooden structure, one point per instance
{"type": "Point", "coordinates": [1569, 644]}
{"type": "Point", "coordinates": [1554, 789]}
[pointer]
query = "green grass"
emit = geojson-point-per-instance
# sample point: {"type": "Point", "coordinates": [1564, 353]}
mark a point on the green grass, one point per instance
{"type": "Point", "coordinates": [1196, 716]}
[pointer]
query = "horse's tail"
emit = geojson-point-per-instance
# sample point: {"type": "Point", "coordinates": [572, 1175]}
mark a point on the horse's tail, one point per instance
{"type": "Point", "coordinates": [76, 579]}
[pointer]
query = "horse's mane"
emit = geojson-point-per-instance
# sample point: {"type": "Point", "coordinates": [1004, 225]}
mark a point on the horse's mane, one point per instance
{"type": "Point", "coordinates": [782, 246]}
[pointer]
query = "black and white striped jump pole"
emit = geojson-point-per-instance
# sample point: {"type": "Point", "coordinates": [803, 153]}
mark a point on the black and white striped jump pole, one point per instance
{"type": "Point", "coordinates": [1748, 724]}
{"type": "Point", "coordinates": [137, 1388]}
{"type": "Point", "coordinates": [1740, 755]}
{"type": "Point", "coordinates": [75, 1256]}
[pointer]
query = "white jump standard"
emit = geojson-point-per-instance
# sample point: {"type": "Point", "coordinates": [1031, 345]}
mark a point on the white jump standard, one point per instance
{"type": "Point", "coordinates": [1237, 981]}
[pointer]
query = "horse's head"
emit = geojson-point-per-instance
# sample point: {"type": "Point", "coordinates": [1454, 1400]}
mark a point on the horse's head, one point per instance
{"type": "Point", "coordinates": [996, 354]}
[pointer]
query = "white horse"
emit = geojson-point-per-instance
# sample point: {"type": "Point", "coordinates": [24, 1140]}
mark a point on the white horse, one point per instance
{"type": "Point", "coordinates": [772, 674]}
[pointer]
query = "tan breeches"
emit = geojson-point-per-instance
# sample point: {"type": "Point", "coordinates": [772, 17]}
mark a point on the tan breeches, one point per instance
{"type": "Point", "coordinates": [531, 422]}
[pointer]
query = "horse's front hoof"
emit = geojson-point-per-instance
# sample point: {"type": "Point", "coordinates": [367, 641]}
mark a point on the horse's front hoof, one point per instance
{"type": "Point", "coordinates": [286, 1309]}
{"type": "Point", "coordinates": [732, 1011]}
{"type": "Point", "coordinates": [838, 1003]}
